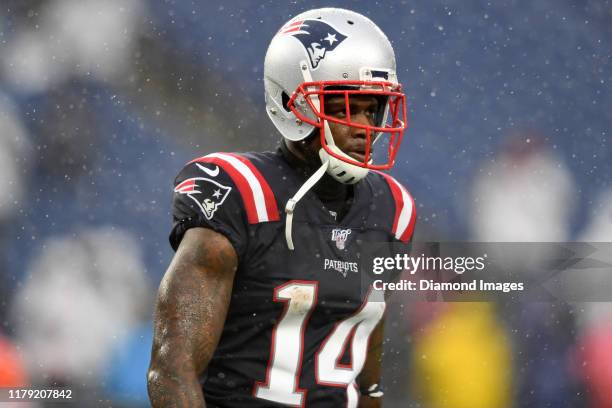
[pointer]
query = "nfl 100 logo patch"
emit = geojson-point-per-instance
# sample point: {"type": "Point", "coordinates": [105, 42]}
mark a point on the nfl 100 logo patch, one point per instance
{"type": "Point", "coordinates": [339, 236]}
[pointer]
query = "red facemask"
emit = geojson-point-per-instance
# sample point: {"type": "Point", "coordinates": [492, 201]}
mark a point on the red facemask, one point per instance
{"type": "Point", "coordinates": [393, 126]}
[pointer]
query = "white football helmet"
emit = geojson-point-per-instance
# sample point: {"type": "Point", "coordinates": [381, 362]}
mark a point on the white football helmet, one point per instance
{"type": "Point", "coordinates": [333, 51]}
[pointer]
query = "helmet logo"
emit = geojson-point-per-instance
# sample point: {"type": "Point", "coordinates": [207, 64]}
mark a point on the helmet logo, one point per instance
{"type": "Point", "coordinates": [317, 37]}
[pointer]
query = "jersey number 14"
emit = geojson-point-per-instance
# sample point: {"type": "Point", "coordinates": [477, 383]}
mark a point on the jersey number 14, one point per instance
{"type": "Point", "coordinates": [282, 376]}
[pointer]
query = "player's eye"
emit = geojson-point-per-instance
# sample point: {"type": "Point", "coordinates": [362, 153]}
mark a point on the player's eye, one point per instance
{"type": "Point", "coordinates": [337, 112]}
{"type": "Point", "coordinates": [371, 114]}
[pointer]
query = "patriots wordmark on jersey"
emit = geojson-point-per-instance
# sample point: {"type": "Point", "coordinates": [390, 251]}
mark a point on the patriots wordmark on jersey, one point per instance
{"type": "Point", "coordinates": [299, 322]}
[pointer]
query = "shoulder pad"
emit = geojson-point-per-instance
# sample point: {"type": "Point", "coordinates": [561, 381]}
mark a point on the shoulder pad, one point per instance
{"type": "Point", "coordinates": [405, 209]}
{"type": "Point", "coordinates": [257, 196]}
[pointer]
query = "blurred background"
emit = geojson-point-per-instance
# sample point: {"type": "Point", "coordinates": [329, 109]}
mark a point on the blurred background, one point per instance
{"type": "Point", "coordinates": [102, 102]}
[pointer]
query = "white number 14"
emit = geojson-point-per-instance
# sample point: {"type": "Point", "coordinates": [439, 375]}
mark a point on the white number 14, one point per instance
{"type": "Point", "coordinates": [286, 352]}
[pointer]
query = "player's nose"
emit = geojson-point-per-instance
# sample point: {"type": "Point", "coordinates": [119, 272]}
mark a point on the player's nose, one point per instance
{"type": "Point", "coordinates": [360, 119]}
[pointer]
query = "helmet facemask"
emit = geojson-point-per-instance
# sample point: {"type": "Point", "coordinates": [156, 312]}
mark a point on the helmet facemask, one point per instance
{"type": "Point", "coordinates": [389, 120]}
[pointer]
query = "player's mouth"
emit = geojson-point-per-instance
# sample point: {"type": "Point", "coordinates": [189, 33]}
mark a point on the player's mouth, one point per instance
{"type": "Point", "coordinates": [358, 154]}
{"type": "Point", "coordinates": [360, 157]}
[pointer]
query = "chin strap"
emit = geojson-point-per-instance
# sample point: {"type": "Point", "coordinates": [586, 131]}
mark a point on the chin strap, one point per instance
{"type": "Point", "coordinates": [290, 207]}
{"type": "Point", "coordinates": [339, 170]}
{"type": "Point", "coordinates": [312, 180]}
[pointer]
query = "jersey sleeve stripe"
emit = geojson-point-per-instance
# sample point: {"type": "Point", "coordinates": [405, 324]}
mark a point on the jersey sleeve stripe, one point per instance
{"type": "Point", "coordinates": [412, 220]}
{"type": "Point", "coordinates": [399, 203]}
{"type": "Point", "coordinates": [405, 214]}
{"type": "Point", "coordinates": [252, 182]}
{"type": "Point", "coordinates": [271, 206]}
{"type": "Point", "coordinates": [249, 186]}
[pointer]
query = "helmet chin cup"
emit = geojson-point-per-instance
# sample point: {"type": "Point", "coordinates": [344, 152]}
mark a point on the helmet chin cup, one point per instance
{"type": "Point", "coordinates": [342, 171]}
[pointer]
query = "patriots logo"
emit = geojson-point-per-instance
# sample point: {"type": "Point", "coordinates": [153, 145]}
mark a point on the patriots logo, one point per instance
{"type": "Point", "coordinates": [317, 37]}
{"type": "Point", "coordinates": [207, 193]}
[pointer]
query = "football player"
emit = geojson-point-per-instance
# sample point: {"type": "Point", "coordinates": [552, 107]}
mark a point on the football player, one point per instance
{"type": "Point", "coordinates": [264, 303]}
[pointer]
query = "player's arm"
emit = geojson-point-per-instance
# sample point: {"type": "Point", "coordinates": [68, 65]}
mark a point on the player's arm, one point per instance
{"type": "Point", "coordinates": [370, 375]}
{"type": "Point", "coordinates": [191, 307]}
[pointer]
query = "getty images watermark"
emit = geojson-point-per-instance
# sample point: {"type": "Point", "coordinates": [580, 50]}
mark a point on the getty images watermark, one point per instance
{"type": "Point", "coordinates": [459, 265]}
{"type": "Point", "coordinates": [470, 271]}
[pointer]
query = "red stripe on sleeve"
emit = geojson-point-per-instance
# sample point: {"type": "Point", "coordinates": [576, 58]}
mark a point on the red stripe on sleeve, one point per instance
{"type": "Point", "coordinates": [410, 229]}
{"type": "Point", "coordinates": [240, 181]}
{"type": "Point", "coordinates": [397, 197]}
{"type": "Point", "coordinates": [271, 206]}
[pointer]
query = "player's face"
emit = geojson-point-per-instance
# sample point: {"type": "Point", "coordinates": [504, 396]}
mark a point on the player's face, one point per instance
{"type": "Point", "coordinates": [363, 110]}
